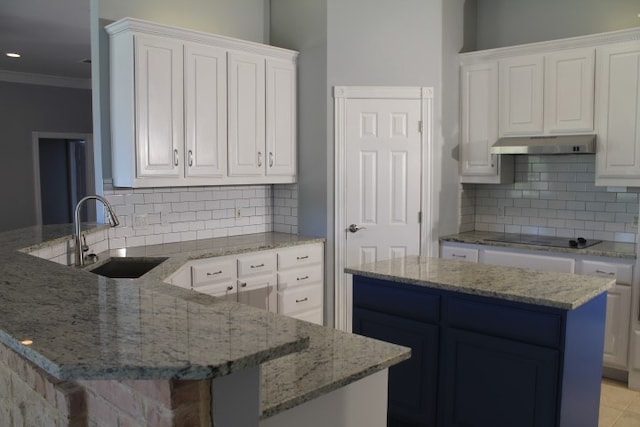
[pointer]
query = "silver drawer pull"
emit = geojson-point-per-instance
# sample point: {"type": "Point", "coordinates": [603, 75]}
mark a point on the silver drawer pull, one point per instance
{"type": "Point", "coordinates": [302, 257]}
{"type": "Point", "coordinates": [608, 273]}
{"type": "Point", "coordinates": [303, 278]}
{"type": "Point", "coordinates": [303, 299]}
{"type": "Point", "coordinates": [257, 266]}
{"type": "Point", "coordinates": [175, 157]}
{"type": "Point", "coordinates": [229, 288]}
{"type": "Point", "coordinates": [458, 256]}
{"type": "Point", "coordinates": [214, 273]}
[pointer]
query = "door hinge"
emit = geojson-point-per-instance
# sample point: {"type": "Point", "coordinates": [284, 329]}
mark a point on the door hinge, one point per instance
{"type": "Point", "coordinates": [420, 126]}
{"type": "Point", "coordinates": [420, 217]}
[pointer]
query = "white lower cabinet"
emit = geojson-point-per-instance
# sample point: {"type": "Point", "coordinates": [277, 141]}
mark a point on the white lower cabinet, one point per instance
{"type": "Point", "coordinates": [300, 279]}
{"type": "Point", "coordinates": [288, 281]}
{"type": "Point", "coordinates": [617, 327]}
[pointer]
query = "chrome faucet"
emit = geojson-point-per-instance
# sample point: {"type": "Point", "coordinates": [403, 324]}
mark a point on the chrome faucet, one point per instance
{"type": "Point", "coordinates": [113, 220]}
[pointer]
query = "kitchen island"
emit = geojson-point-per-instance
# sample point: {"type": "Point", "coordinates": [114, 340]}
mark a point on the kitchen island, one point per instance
{"type": "Point", "coordinates": [491, 345]}
{"type": "Point", "coordinates": [77, 348]}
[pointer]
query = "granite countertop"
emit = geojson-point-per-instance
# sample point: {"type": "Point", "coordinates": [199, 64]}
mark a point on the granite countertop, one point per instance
{"type": "Point", "coordinates": [560, 290]}
{"type": "Point", "coordinates": [604, 248]}
{"type": "Point", "coordinates": [86, 326]}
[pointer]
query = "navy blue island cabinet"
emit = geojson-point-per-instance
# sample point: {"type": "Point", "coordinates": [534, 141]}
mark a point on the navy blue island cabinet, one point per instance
{"type": "Point", "coordinates": [484, 362]}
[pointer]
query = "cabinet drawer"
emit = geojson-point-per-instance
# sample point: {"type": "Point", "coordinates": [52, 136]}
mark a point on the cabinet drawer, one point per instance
{"type": "Point", "coordinates": [524, 325]}
{"type": "Point", "coordinates": [299, 299]}
{"type": "Point", "coordinates": [378, 295]}
{"type": "Point", "coordinates": [313, 316]}
{"type": "Point", "coordinates": [538, 262]}
{"type": "Point", "coordinates": [622, 272]}
{"type": "Point", "coordinates": [462, 254]}
{"type": "Point", "coordinates": [212, 271]}
{"type": "Point", "coordinates": [301, 255]}
{"type": "Point", "coordinates": [260, 263]}
{"type": "Point", "coordinates": [300, 277]}
{"type": "Point", "coordinates": [220, 289]}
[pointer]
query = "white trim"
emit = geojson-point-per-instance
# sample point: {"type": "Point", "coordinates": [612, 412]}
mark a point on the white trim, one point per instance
{"type": "Point", "coordinates": [35, 149]}
{"type": "Point", "coordinates": [429, 243]}
{"type": "Point", "coordinates": [153, 28]}
{"type": "Point", "coordinates": [591, 40]}
{"type": "Point", "coordinates": [44, 80]}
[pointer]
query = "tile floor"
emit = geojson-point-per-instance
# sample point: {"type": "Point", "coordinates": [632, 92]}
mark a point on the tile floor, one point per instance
{"type": "Point", "coordinates": [619, 406]}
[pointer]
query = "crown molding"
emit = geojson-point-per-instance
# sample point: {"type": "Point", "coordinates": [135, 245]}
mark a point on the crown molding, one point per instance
{"type": "Point", "coordinates": [126, 25]}
{"type": "Point", "coordinates": [591, 40]}
{"type": "Point", "coordinates": [44, 80]}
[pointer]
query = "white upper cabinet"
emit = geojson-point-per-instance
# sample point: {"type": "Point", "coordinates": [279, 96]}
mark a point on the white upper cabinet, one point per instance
{"type": "Point", "coordinates": [569, 91]}
{"type": "Point", "coordinates": [547, 94]}
{"type": "Point", "coordinates": [281, 106]}
{"type": "Point", "coordinates": [189, 108]}
{"type": "Point", "coordinates": [159, 106]}
{"type": "Point", "coordinates": [479, 115]}
{"type": "Point", "coordinates": [205, 104]}
{"type": "Point", "coordinates": [246, 115]}
{"type": "Point", "coordinates": [618, 115]}
{"type": "Point", "coordinates": [521, 94]}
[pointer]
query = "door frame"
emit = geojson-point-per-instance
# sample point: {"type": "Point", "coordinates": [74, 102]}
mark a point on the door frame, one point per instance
{"type": "Point", "coordinates": [89, 154]}
{"type": "Point", "coordinates": [429, 207]}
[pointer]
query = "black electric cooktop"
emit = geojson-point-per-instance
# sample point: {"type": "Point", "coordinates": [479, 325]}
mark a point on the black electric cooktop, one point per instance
{"type": "Point", "coordinates": [537, 240]}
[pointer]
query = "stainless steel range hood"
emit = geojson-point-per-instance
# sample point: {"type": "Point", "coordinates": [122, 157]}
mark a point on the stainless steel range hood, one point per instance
{"type": "Point", "coordinates": [558, 144]}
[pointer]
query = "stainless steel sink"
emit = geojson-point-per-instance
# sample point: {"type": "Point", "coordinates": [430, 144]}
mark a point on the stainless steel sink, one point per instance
{"type": "Point", "coordinates": [126, 267]}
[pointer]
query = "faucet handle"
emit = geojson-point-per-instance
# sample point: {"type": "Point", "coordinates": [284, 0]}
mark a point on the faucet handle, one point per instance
{"type": "Point", "coordinates": [84, 246]}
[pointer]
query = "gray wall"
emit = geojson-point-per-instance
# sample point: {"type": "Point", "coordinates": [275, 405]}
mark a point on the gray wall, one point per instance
{"type": "Point", "coordinates": [511, 22]}
{"type": "Point", "coordinates": [302, 25]}
{"type": "Point", "coordinates": [365, 42]}
{"type": "Point", "coordinates": [24, 109]}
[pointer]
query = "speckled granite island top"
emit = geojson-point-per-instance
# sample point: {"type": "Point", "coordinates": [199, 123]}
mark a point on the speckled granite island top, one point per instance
{"type": "Point", "coordinates": [87, 326]}
{"type": "Point", "coordinates": [604, 248]}
{"type": "Point", "coordinates": [559, 290]}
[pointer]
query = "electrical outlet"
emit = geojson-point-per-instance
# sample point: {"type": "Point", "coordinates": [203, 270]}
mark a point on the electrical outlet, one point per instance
{"type": "Point", "coordinates": [635, 220]}
{"type": "Point", "coordinates": [500, 212]}
{"type": "Point", "coordinates": [238, 213]}
{"type": "Point", "coordinates": [140, 221]}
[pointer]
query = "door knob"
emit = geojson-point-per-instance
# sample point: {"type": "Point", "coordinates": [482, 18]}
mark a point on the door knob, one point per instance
{"type": "Point", "coordinates": [354, 228]}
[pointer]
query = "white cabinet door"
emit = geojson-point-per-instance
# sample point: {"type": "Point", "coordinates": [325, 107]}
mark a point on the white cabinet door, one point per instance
{"type": "Point", "coordinates": [569, 91]}
{"type": "Point", "coordinates": [521, 95]}
{"type": "Point", "coordinates": [246, 114]}
{"type": "Point", "coordinates": [159, 93]}
{"type": "Point", "coordinates": [280, 119]}
{"type": "Point", "coordinates": [205, 103]}
{"type": "Point", "coordinates": [479, 108]}
{"type": "Point", "coordinates": [618, 92]}
{"type": "Point", "coordinates": [616, 334]}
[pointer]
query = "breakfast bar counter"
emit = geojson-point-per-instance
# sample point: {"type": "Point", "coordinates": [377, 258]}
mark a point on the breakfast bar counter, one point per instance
{"type": "Point", "coordinates": [142, 351]}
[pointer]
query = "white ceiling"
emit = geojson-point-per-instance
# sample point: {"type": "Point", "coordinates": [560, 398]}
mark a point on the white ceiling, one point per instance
{"type": "Point", "coordinates": [52, 35]}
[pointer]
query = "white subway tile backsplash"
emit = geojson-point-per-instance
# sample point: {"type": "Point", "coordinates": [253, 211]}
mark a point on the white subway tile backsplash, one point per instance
{"type": "Point", "coordinates": [552, 195]}
{"type": "Point", "coordinates": [177, 214]}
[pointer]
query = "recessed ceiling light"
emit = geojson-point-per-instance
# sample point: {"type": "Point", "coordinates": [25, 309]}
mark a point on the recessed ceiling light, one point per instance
{"type": "Point", "coordinates": [13, 55]}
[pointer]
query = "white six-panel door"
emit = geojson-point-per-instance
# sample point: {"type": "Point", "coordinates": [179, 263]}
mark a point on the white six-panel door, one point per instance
{"type": "Point", "coordinates": [383, 179]}
{"type": "Point", "coordinates": [386, 174]}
